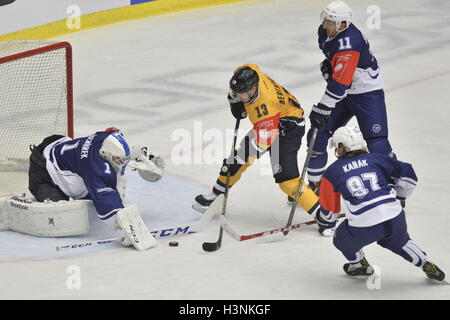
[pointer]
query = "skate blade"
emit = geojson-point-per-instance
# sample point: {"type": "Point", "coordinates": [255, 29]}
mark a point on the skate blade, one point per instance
{"type": "Point", "coordinates": [199, 208]}
{"type": "Point", "coordinates": [327, 232]}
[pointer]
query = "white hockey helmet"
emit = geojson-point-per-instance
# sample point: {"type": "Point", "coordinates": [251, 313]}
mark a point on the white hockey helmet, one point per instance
{"type": "Point", "coordinates": [338, 12]}
{"type": "Point", "coordinates": [351, 138]}
{"type": "Point", "coordinates": [115, 150]}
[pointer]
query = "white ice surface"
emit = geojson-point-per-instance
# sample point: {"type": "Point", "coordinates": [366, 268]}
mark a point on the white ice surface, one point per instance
{"type": "Point", "coordinates": [154, 76]}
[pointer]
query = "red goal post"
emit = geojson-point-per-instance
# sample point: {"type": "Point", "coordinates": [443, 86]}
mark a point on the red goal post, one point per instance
{"type": "Point", "coordinates": [36, 97]}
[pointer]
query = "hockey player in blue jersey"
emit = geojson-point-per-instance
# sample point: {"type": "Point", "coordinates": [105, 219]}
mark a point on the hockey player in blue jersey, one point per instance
{"type": "Point", "coordinates": [354, 88]}
{"type": "Point", "coordinates": [370, 184]}
{"type": "Point", "coordinates": [93, 168]}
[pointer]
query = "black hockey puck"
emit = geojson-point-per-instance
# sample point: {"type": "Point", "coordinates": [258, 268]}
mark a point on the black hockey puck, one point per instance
{"type": "Point", "coordinates": [173, 243]}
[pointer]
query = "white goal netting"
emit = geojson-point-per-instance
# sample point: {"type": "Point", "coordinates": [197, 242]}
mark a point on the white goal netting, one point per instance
{"type": "Point", "coordinates": [35, 96]}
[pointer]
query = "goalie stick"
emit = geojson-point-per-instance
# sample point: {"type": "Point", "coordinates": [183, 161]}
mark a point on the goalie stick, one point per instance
{"type": "Point", "coordinates": [158, 234]}
{"type": "Point", "coordinates": [240, 237]}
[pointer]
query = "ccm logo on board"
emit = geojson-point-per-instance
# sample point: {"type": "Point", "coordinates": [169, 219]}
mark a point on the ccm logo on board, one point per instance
{"type": "Point", "coordinates": [5, 2]}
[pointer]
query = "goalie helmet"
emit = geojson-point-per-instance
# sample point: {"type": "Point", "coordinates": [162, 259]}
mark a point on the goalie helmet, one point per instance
{"type": "Point", "coordinates": [338, 12]}
{"type": "Point", "coordinates": [115, 150]}
{"type": "Point", "coordinates": [351, 139]}
{"type": "Point", "coordinates": [243, 79]}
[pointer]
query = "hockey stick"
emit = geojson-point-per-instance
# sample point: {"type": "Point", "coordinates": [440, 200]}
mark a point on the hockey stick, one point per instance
{"type": "Point", "coordinates": [300, 182]}
{"type": "Point", "coordinates": [214, 246]}
{"type": "Point", "coordinates": [158, 234]}
{"type": "Point", "coordinates": [240, 237]}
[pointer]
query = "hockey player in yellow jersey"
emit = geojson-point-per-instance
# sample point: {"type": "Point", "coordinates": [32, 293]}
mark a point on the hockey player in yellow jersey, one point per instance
{"type": "Point", "coordinates": [278, 128]}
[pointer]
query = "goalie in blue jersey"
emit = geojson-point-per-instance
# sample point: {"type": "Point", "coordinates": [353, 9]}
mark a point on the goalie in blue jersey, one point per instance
{"type": "Point", "coordinates": [93, 168]}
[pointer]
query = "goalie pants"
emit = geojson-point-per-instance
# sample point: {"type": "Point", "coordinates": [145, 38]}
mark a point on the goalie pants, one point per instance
{"type": "Point", "coordinates": [40, 183]}
{"type": "Point", "coordinates": [391, 234]}
{"type": "Point", "coordinates": [370, 111]}
{"type": "Point", "coordinates": [283, 158]}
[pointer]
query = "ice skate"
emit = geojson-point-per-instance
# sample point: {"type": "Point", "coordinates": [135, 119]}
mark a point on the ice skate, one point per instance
{"type": "Point", "coordinates": [433, 272]}
{"type": "Point", "coordinates": [326, 232]}
{"type": "Point", "coordinates": [362, 268]}
{"type": "Point", "coordinates": [203, 201]}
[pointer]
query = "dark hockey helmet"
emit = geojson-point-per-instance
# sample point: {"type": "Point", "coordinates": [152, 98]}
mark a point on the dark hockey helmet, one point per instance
{"type": "Point", "coordinates": [243, 79]}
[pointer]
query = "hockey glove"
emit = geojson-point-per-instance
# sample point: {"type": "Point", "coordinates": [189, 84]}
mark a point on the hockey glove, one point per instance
{"type": "Point", "coordinates": [325, 68]}
{"type": "Point", "coordinates": [325, 221]}
{"type": "Point", "coordinates": [319, 116]}
{"type": "Point", "coordinates": [237, 107]}
{"type": "Point", "coordinates": [149, 166]}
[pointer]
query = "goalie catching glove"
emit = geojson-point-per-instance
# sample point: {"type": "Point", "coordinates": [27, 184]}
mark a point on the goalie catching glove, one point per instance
{"type": "Point", "coordinates": [149, 166]}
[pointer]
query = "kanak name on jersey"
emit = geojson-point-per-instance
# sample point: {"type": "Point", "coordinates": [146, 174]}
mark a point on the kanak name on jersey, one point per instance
{"type": "Point", "coordinates": [355, 165]}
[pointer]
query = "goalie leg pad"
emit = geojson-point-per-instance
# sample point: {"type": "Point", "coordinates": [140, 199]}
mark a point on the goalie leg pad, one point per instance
{"type": "Point", "coordinates": [45, 219]}
{"type": "Point", "coordinates": [134, 228]}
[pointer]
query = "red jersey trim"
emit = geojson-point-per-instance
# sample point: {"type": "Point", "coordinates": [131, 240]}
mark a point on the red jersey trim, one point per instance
{"type": "Point", "coordinates": [344, 65]}
{"type": "Point", "coordinates": [329, 199]}
{"type": "Point", "coordinates": [266, 130]}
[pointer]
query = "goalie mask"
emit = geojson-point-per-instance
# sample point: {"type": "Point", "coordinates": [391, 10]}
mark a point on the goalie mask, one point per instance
{"type": "Point", "coordinates": [115, 150]}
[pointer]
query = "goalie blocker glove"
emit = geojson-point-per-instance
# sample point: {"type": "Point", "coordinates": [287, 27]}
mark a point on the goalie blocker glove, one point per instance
{"type": "Point", "coordinates": [320, 115]}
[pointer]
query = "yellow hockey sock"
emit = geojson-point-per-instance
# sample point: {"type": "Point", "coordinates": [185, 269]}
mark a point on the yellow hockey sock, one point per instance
{"type": "Point", "coordinates": [307, 200]}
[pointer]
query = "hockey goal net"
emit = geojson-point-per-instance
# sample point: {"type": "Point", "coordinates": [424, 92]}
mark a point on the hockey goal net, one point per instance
{"type": "Point", "coordinates": [35, 97]}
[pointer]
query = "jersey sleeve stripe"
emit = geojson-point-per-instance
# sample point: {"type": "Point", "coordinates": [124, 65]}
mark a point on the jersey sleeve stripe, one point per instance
{"type": "Point", "coordinates": [109, 214]}
{"type": "Point", "coordinates": [334, 96]}
{"type": "Point", "coordinates": [364, 206]}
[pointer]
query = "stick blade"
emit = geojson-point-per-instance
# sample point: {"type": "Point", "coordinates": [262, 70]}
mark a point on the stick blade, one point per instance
{"type": "Point", "coordinates": [214, 209]}
{"type": "Point", "coordinates": [211, 246]}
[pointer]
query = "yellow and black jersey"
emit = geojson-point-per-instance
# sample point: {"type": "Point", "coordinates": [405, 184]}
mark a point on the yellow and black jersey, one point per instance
{"type": "Point", "coordinates": [272, 103]}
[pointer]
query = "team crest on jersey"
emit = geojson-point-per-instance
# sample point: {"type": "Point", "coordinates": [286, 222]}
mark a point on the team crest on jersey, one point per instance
{"type": "Point", "coordinates": [341, 62]}
{"type": "Point", "coordinates": [267, 130]}
{"type": "Point", "coordinates": [338, 67]}
{"type": "Point", "coordinates": [277, 169]}
{"type": "Point", "coordinates": [376, 128]}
